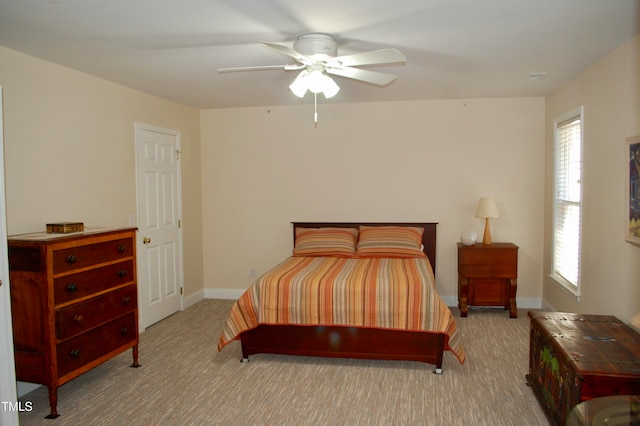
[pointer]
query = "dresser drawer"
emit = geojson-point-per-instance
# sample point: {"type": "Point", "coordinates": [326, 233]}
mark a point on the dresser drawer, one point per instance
{"type": "Point", "coordinates": [474, 256]}
{"type": "Point", "coordinates": [505, 270]}
{"type": "Point", "coordinates": [88, 347]}
{"type": "Point", "coordinates": [480, 271]}
{"type": "Point", "coordinates": [69, 259]}
{"type": "Point", "coordinates": [80, 317]}
{"type": "Point", "coordinates": [82, 284]}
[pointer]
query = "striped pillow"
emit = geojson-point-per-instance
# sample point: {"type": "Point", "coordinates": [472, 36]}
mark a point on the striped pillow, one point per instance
{"type": "Point", "coordinates": [390, 241]}
{"type": "Point", "coordinates": [337, 242]}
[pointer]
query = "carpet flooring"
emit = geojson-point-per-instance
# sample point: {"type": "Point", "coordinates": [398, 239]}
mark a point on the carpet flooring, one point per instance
{"type": "Point", "coordinates": [184, 380]}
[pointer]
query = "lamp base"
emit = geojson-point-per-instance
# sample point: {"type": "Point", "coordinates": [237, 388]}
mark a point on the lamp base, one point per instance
{"type": "Point", "coordinates": [635, 322]}
{"type": "Point", "coordinates": [486, 238]}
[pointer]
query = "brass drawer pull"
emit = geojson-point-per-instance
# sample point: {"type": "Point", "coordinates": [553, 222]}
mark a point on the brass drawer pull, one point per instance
{"type": "Point", "coordinates": [122, 248]}
{"type": "Point", "coordinates": [78, 319]}
{"type": "Point", "coordinates": [71, 287]}
{"type": "Point", "coordinates": [126, 300]}
{"type": "Point", "coordinates": [122, 273]}
{"type": "Point", "coordinates": [75, 353]}
{"type": "Point", "coordinates": [124, 331]}
{"type": "Point", "coordinates": [72, 258]}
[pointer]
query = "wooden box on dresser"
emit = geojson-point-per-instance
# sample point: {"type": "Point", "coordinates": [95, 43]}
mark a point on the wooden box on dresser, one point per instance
{"type": "Point", "coordinates": [73, 302]}
{"type": "Point", "coordinates": [577, 357]}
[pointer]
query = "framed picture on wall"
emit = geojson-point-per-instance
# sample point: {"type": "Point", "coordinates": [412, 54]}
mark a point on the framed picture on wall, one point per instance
{"type": "Point", "coordinates": [633, 191]}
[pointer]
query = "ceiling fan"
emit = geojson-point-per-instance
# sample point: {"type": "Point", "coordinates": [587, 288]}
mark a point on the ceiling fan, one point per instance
{"type": "Point", "coordinates": [316, 57]}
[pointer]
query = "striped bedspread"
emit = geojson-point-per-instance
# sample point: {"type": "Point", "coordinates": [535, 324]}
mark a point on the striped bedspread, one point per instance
{"type": "Point", "coordinates": [390, 293]}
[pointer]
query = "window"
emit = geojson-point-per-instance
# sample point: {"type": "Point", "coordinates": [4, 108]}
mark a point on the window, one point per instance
{"type": "Point", "coordinates": [567, 200]}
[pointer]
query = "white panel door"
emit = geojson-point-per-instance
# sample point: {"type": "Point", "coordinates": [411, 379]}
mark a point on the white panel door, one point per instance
{"type": "Point", "coordinates": [159, 222]}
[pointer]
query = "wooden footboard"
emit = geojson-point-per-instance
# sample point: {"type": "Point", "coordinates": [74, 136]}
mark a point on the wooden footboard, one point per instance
{"type": "Point", "coordinates": [344, 342]}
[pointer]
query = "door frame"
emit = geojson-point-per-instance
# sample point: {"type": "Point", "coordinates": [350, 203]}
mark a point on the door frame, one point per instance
{"type": "Point", "coordinates": [142, 279]}
{"type": "Point", "coordinates": [8, 384]}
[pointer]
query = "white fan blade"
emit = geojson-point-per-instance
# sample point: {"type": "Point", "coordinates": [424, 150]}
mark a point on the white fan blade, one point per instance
{"type": "Point", "coordinates": [374, 57]}
{"type": "Point", "coordinates": [263, 67]}
{"type": "Point", "coordinates": [374, 77]}
{"type": "Point", "coordinates": [285, 50]}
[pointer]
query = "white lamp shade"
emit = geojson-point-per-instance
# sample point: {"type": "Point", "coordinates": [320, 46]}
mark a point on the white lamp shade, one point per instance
{"type": "Point", "coordinates": [487, 208]}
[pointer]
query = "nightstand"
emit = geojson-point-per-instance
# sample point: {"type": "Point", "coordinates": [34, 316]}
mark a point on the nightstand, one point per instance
{"type": "Point", "coordinates": [487, 276]}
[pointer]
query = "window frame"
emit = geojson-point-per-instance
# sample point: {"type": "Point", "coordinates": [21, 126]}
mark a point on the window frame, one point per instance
{"type": "Point", "coordinates": [578, 113]}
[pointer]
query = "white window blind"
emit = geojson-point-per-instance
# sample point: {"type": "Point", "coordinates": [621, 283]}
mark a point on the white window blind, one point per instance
{"type": "Point", "coordinates": [567, 202]}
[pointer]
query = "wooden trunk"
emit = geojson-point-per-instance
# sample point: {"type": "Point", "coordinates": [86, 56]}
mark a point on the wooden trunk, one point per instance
{"type": "Point", "coordinates": [576, 357]}
{"type": "Point", "coordinates": [73, 302]}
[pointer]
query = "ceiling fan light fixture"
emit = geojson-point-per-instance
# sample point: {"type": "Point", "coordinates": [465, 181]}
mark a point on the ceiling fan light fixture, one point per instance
{"type": "Point", "coordinates": [299, 85]}
{"type": "Point", "coordinates": [331, 88]}
{"type": "Point", "coordinates": [316, 82]}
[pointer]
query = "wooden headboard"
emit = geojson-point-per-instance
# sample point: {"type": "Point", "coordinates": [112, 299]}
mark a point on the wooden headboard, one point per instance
{"type": "Point", "coordinates": [428, 237]}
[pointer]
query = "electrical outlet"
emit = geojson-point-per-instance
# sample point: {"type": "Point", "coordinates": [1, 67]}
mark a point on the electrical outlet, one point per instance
{"type": "Point", "coordinates": [253, 273]}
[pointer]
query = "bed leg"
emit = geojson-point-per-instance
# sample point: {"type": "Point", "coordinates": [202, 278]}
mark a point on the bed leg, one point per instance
{"type": "Point", "coordinates": [437, 370]}
{"type": "Point", "coordinates": [244, 360]}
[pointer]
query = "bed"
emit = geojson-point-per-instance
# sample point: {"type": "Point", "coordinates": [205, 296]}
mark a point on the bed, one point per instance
{"type": "Point", "coordinates": [349, 290]}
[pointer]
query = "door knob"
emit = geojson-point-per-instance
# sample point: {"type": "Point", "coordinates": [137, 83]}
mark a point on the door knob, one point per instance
{"type": "Point", "coordinates": [146, 240]}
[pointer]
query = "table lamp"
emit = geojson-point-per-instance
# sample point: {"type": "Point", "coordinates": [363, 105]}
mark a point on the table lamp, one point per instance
{"type": "Point", "coordinates": [486, 209]}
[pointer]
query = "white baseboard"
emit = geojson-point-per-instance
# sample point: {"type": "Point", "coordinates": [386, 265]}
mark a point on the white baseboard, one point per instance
{"type": "Point", "coordinates": [547, 307]}
{"type": "Point", "coordinates": [233, 294]}
{"type": "Point", "coordinates": [223, 293]}
{"type": "Point", "coordinates": [192, 299]}
{"type": "Point", "coordinates": [529, 303]}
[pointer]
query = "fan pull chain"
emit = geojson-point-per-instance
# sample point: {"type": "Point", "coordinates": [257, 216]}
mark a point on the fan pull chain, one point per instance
{"type": "Point", "coordinates": [315, 109]}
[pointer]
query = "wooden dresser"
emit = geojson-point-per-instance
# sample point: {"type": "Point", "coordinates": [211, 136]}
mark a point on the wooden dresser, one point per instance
{"type": "Point", "coordinates": [575, 357]}
{"type": "Point", "coordinates": [488, 276]}
{"type": "Point", "coordinates": [74, 303]}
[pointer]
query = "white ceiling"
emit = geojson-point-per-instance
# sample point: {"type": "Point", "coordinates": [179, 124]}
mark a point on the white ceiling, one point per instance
{"type": "Point", "coordinates": [454, 48]}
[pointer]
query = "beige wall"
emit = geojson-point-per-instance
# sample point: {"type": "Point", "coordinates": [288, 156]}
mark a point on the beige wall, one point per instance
{"type": "Point", "coordinates": [247, 173]}
{"type": "Point", "coordinates": [399, 161]}
{"type": "Point", "coordinates": [70, 152]}
{"type": "Point", "coordinates": [609, 90]}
